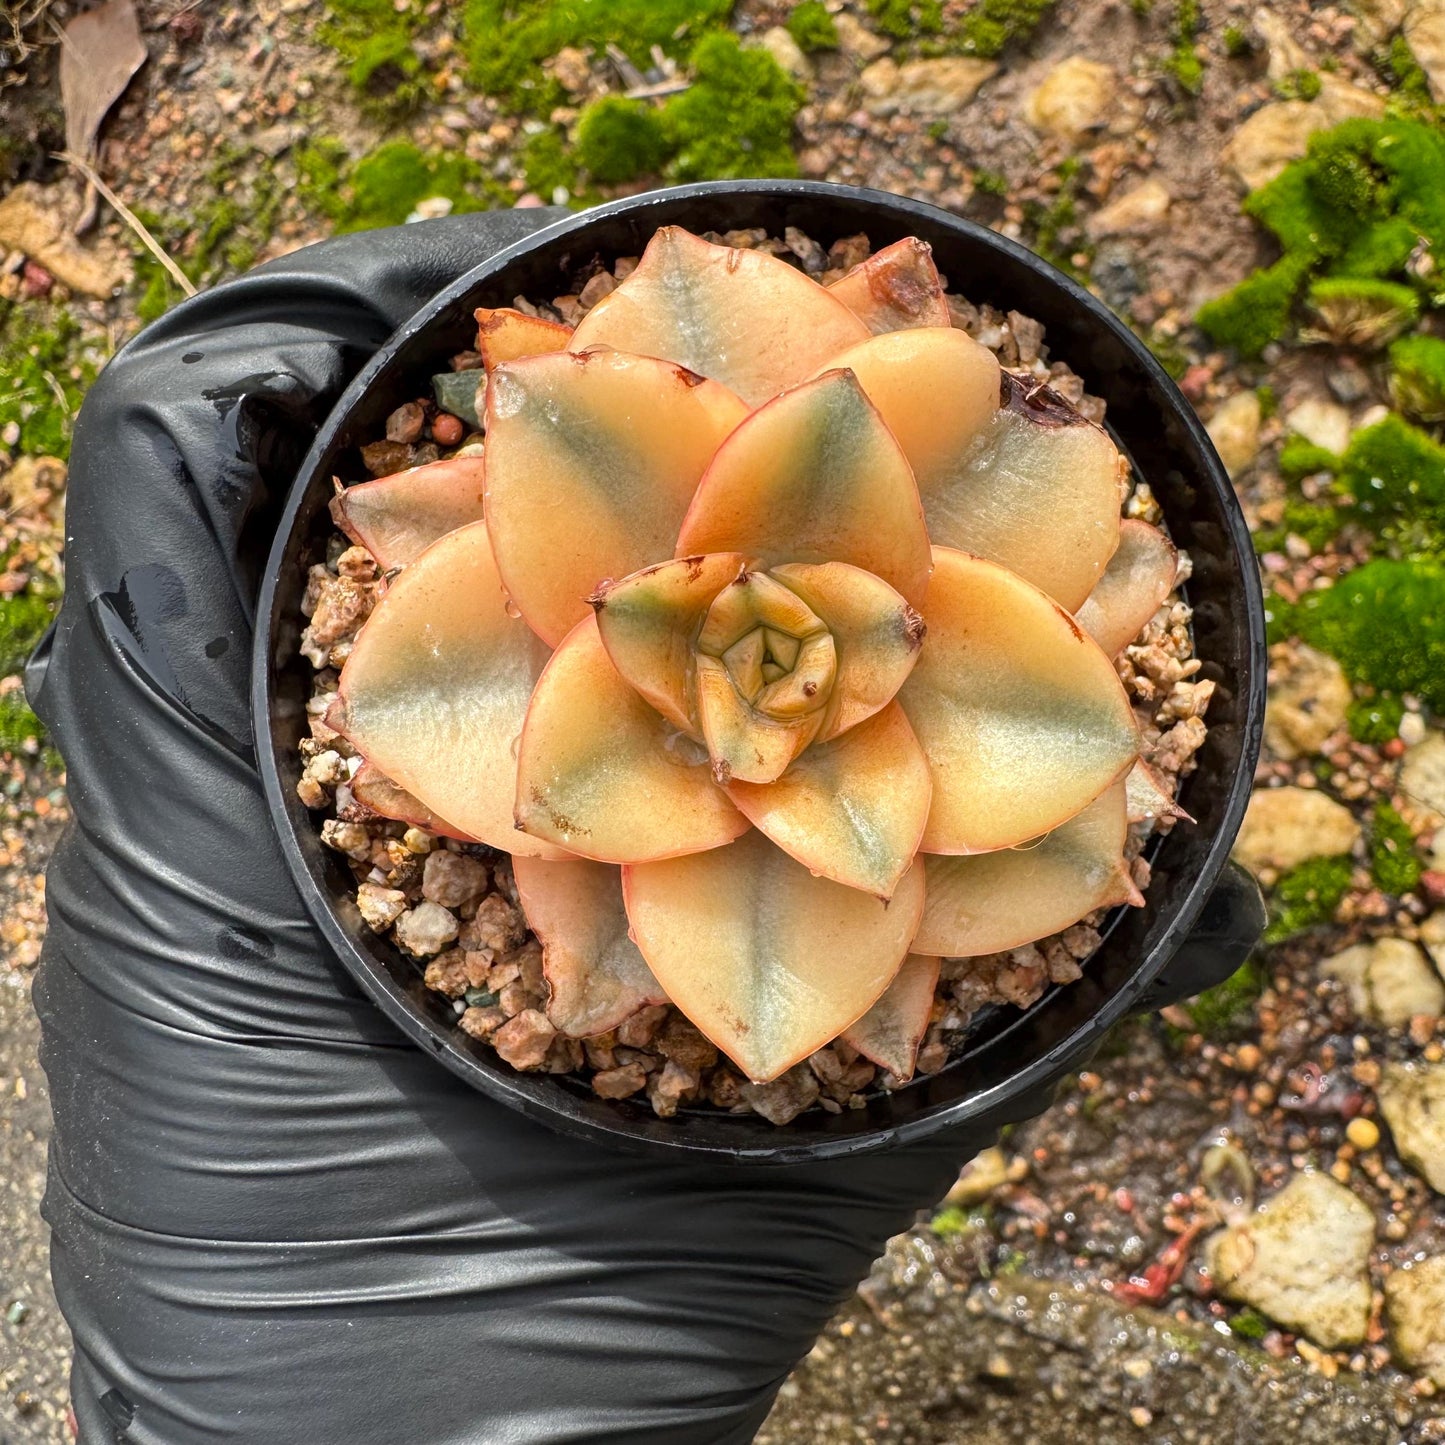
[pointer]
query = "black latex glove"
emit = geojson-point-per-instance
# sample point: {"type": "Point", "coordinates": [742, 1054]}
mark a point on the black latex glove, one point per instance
{"type": "Point", "coordinates": [275, 1220]}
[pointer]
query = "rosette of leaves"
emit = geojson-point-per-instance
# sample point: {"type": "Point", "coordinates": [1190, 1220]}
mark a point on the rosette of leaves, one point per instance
{"type": "Point", "coordinates": [772, 636]}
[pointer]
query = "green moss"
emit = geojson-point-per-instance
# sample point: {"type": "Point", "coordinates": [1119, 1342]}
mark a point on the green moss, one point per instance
{"type": "Point", "coordinates": [1183, 62]}
{"type": "Point", "coordinates": [18, 725]}
{"type": "Point", "coordinates": [506, 41]}
{"type": "Point", "coordinates": [1316, 522]}
{"type": "Point", "coordinates": [1385, 622]}
{"type": "Point", "coordinates": [1417, 378]}
{"type": "Point", "coordinates": [1362, 311]}
{"type": "Point", "coordinates": [1218, 1011]}
{"type": "Point", "coordinates": [1236, 42]}
{"type": "Point", "coordinates": [549, 165]}
{"type": "Point", "coordinates": [1299, 85]}
{"type": "Point", "coordinates": [736, 119]}
{"type": "Point", "coordinates": [1257, 311]}
{"type": "Point", "coordinates": [994, 24]}
{"type": "Point", "coordinates": [1307, 896]}
{"type": "Point", "coordinates": [907, 19]}
{"type": "Point", "coordinates": [1299, 458]}
{"type": "Point", "coordinates": [1249, 1324]}
{"type": "Point", "coordinates": [952, 1222]}
{"type": "Point", "coordinates": [619, 139]}
{"type": "Point", "coordinates": [1375, 720]}
{"type": "Point", "coordinates": [377, 41]}
{"type": "Point", "coordinates": [44, 375]}
{"type": "Point", "coordinates": [22, 621]}
{"type": "Point", "coordinates": [383, 188]}
{"type": "Point", "coordinates": [990, 183]}
{"type": "Point", "coordinates": [320, 166]}
{"type": "Point", "coordinates": [1396, 474]}
{"type": "Point", "coordinates": [812, 27]}
{"type": "Point", "coordinates": [1411, 84]}
{"type": "Point", "coordinates": [1394, 864]}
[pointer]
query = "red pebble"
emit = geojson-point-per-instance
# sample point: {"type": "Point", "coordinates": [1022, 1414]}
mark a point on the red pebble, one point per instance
{"type": "Point", "coordinates": [1432, 885]}
{"type": "Point", "coordinates": [1395, 748]}
{"type": "Point", "coordinates": [1195, 382]}
{"type": "Point", "coordinates": [447, 429]}
{"type": "Point", "coordinates": [35, 280]}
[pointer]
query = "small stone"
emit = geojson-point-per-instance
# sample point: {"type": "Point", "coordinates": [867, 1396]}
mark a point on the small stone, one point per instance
{"type": "Point", "coordinates": [1309, 697]}
{"type": "Point", "coordinates": [1412, 1099]}
{"type": "Point", "coordinates": [380, 906]}
{"type": "Point", "coordinates": [923, 87]}
{"type": "Point", "coordinates": [1136, 212]}
{"type": "Point", "coordinates": [982, 1174]}
{"type": "Point", "coordinates": [453, 879]}
{"type": "Point", "coordinates": [1390, 981]}
{"type": "Point", "coordinates": [603, 283]}
{"type": "Point", "coordinates": [856, 40]}
{"type": "Point", "coordinates": [1415, 1307]}
{"type": "Point", "coordinates": [1324, 423]}
{"type": "Point", "coordinates": [1076, 95]}
{"type": "Point", "coordinates": [619, 1083]}
{"type": "Point", "coordinates": [1422, 779]}
{"type": "Point", "coordinates": [525, 1040]}
{"type": "Point", "coordinates": [1363, 1133]}
{"type": "Point", "coordinates": [1425, 34]}
{"type": "Point", "coordinates": [781, 1101]}
{"type": "Point", "coordinates": [1302, 1260]}
{"type": "Point", "coordinates": [786, 51]}
{"type": "Point", "coordinates": [1286, 826]}
{"type": "Point", "coordinates": [570, 68]}
{"type": "Point", "coordinates": [1234, 430]}
{"type": "Point", "coordinates": [426, 929]}
{"type": "Point", "coordinates": [447, 430]}
{"type": "Point", "coordinates": [349, 838]}
{"type": "Point", "coordinates": [459, 392]}
{"type": "Point", "coordinates": [406, 422]}
{"type": "Point", "coordinates": [1280, 132]}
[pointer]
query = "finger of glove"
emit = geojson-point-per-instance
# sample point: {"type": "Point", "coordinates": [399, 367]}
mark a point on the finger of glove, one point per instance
{"type": "Point", "coordinates": [170, 885]}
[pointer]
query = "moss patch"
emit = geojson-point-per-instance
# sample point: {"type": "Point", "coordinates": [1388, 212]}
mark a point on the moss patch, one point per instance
{"type": "Point", "coordinates": [993, 25]}
{"type": "Point", "coordinates": [1218, 1011]}
{"type": "Point", "coordinates": [1307, 896]}
{"type": "Point", "coordinates": [1394, 864]}
{"type": "Point", "coordinates": [907, 19]}
{"type": "Point", "coordinates": [618, 139]}
{"type": "Point", "coordinates": [1396, 474]}
{"type": "Point", "coordinates": [1375, 720]}
{"type": "Point", "coordinates": [378, 41]}
{"type": "Point", "coordinates": [45, 375]}
{"type": "Point", "coordinates": [1417, 377]}
{"type": "Point", "coordinates": [18, 725]}
{"type": "Point", "coordinates": [812, 27]}
{"type": "Point", "coordinates": [23, 620]}
{"type": "Point", "coordinates": [1184, 63]}
{"type": "Point", "coordinates": [1257, 311]}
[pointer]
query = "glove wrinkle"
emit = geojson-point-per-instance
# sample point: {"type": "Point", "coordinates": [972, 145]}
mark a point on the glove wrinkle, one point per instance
{"type": "Point", "coordinates": [274, 1221]}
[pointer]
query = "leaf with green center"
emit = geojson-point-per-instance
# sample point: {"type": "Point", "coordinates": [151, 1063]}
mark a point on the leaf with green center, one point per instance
{"type": "Point", "coordinates": [1022, 717]}
{"type": "Point", "coordinates": [895, 289]}
{"type": "Point", "coordinates": [1149, 795]}
{"type": "Point", "coordinates": [373, 788]}
{"type": "Point", "coordinates": [649, 624]}
{"type": "Point", "coordinates": [436, 688]}
{"type": "Point", "coordinates": [1027, 482]}
{"type": "Point", "coordinates": [397, 517]}
{"type": "Point", "coordinates": [603, 775]}
{"type": "Point", "coordinates": [595, 975]}
{"type": "Point", "coordinates": [744, 318]}
{"type": "Point", "coordinates": [990, 902]}
{"type": "Point", "coordinates": [814, 476]}
{"type": "Point", "coordinates": [768, 961]}
{"type": "Point", "coordinates": [507, 335]}
{"type": "Point", "coordinates": [890, 1032]}
{"type": "Point", "coordinates": [1140, 575]}
{"type": "Point", "coordinates": [592, 460]}
{"type": "Point", "coordinates": [852, 810]}
{"type": "Point", "coordinates": [877, 635]}
{"type": "Point", "coordinates": [742, 744]}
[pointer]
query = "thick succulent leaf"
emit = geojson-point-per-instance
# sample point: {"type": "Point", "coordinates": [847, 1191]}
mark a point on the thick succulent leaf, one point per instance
{"type": "Point", "coordinates": [436, 688]}
{"type": "Point", "coordinates": [592, 460]}
{"type": "Point", "coordinates": [890, 1032]}
{"type": "Point", "coordinates": [851, 810]}
{"type": "Point", "coordinates": [1022, 717]}
{"type": "Point", "coordinates": [814, 476]}
{"type": "Point", "coordinates": [895, 289]}
{"type": "Point", "coordinates": [876, 633]}
{"type": "Point", "coordinates": [650, 622]}
{"type": "Point", "coordinates": [604, 775]}
{"type": "Point", "coordinates": [743, 318]}
{"type": "Point", "coordinates": [369, 785]}
{"type": "Point", "coordinates": [397, 517]}
{"type": "Point", "coordinates": [740, 744]}
{"type": "Point", "coordinates": [507, 335]}
{"type": "Point", "coordinates": [1150, 796]}
{"type": "Point", "coordinates": [994, 901]}
{"type": "Point", "coordinates": [595, 974]}
{"type": "Point", "coordinates": [1140, 575]}
{"type": "Point", "coordinates": [767, 960]}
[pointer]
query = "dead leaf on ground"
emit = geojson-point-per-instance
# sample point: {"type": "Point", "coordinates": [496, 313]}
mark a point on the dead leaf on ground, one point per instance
{"type": "Point", "coordinates": [101, 50]}
{"type": "Point", "coordinates": [35, 219]}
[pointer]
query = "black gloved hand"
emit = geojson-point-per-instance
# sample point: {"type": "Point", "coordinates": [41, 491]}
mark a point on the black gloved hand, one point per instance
{"type": "Point", "coordinates": [274, 1220]}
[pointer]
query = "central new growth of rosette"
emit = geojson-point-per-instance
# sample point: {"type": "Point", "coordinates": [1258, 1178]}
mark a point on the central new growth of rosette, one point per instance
{"type": "Point", "coordinates": [779, 657]}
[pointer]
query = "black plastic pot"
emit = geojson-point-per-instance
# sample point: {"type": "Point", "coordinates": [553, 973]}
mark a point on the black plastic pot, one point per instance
{"type": "Point", "coordinates": [1197, 909]}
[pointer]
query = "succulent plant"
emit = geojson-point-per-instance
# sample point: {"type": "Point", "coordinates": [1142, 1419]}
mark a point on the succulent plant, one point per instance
{"type": "Point", "coordinates": [772, 637]}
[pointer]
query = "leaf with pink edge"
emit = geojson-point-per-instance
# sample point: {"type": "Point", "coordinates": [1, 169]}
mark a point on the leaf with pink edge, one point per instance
{"type": "Point", "coordinates": [991, 902]}
{"type": "Point", "coordinates": [890, 1032]}
{"type": "Point", "coordinates": [603, 775]}
{"type": "Point", "coordinates": [436, 689]}
{"type": "Point", "coordinates": [504, 334]}
{"type": "Point", "coordinates": [744, 318]}
{"type": "Point", "coordinates": [596, 976]}
{"type": "Point", "coordinates": [896, 288]}
{"type": "Point", "coordinates": [768, 961]}
{"type": "Point", "coordinates": [814, 476]}
{"type": "Point", "coordinates": [592, 461]}
{"type": "Point", "coordinates": [851, 810]}
{"type": "Point", "coordinates": [1140, 575]}
{"type": "Point", "coordinates": [1022, 717]}
{"type": "Point", "coordinates": [396, 518]}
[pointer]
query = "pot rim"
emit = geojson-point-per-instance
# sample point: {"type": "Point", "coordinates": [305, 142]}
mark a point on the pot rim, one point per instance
{"type": "Point", "coordinates": [1016, 1095]}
